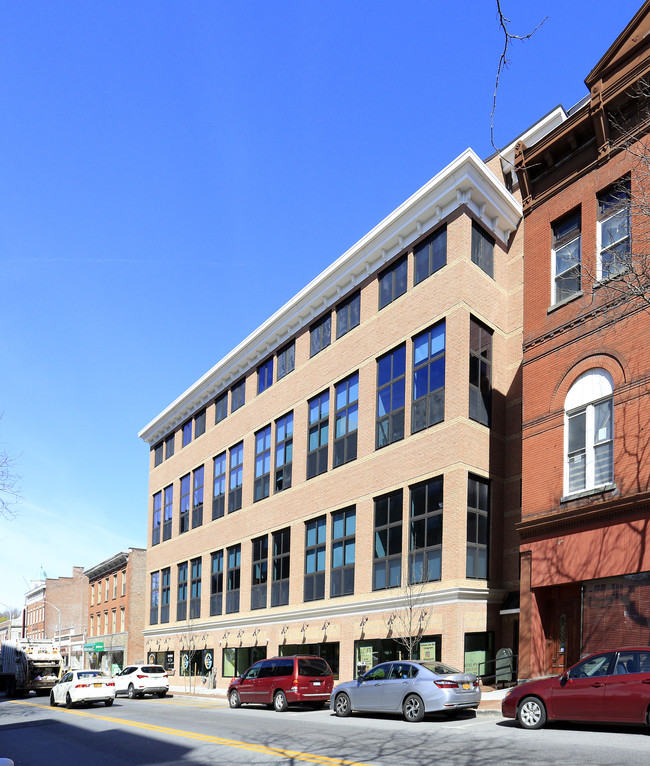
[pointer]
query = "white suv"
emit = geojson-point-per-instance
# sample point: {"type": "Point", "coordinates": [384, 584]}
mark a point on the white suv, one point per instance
{"type": "Point", "coordinates": [138, 680]}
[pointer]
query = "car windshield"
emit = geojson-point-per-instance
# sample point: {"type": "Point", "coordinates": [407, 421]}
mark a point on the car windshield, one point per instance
{"type": "Point", "coordinates": [439, 668]}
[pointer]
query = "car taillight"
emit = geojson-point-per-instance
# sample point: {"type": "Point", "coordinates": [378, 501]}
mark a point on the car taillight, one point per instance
{"type": "Point", "coordinates": [81, 686]}
{"type": "Point", "coordinates": [141, 676]}
{"type": "Point", "coordinates": [446, 684]}
{"type": "Point", "coordinates": [164, 675]}
{"type": "Point", "coordinates": [294, 685]}
{"type": "Point", "coordinates": [110, 683]}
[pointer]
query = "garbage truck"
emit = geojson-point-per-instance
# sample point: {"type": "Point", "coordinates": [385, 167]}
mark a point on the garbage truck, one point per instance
{"type": "Point", "coordinates": [29, 665]}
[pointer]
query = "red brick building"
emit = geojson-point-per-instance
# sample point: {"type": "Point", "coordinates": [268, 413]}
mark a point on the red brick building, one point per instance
{"type": "Point", "coordinates": [585, 542]}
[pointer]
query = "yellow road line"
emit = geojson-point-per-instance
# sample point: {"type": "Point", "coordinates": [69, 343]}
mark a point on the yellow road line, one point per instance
{"type": "Point", "coordinates": [250, 746]}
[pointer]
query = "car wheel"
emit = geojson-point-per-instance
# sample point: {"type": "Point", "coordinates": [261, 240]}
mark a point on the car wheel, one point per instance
{"type": "Point", "coordinates": [413, 708]}
{"type": "Point", "coordinates": [68, 700]}
{"type": "Point", "coordinates": [52, 702]}
{"type": "Point", "coordinates": [234, 699]}
{"type": "Point", "coordinates": [131, 692]}
{"type": "Point", "coordinates": [108, 703]}
{"type": "Point", "coordinates": [280, 702]}
{"type": "Point", "coordinates": [531, 713]}
{"type": "Point", "coordinates": [342, 705]}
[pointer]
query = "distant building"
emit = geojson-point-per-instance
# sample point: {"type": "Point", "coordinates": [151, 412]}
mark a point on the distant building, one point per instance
{"type": "Point", "coordinates": [115, 599]}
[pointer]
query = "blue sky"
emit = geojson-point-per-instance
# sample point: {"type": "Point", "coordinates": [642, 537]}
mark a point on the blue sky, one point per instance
{"type": "Point", "coordinates": [173, 172]}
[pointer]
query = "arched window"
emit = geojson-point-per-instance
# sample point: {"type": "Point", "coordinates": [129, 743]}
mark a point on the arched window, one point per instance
{"type": "Point", "coordinates": [589, 433]}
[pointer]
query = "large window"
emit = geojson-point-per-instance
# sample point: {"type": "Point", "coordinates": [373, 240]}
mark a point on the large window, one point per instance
{"type": "Point", "coordinates": [219, 487]}
{"type": "Point", "coordinates": [181, 596]}
{"type": "Point", "coordinates": [283, 452]}
{"type": "Point", "coordinates": [236, 477]}
{"type": "Point", "coordinates": [260, 571]}
{"type": "Point", "coordinates": [221, 408]}
{"type": "Point", "coordinates": [614, 229]}
{"type": "Point", "coordinates": [155, 595]}
{"type": "Point", "coordinates": [157, 506]}
{"type": "Point", "coordinates": [589, 432]}
{"type": "Point", "coordinates": [165, 594]}
{"type": "Point", "coordinates": [430, 255]}
{"type": "Point", "coordinates": [184, 517]}
{"type": "Point", "coordinates": [392, 282]}
{"type": "Point", "coordinates": [482, 250]}
{"type": "Point", "coordinates": [318, 434]}
{"type": "Point", "coordinates": [346, 420]}
{"type": "Point", "coordinates": [265, 375]}
{"type": "Point", "coordinates": [320, 335]}
{"type": "Point", "coordinates": [391, 387]}
{"type": "Point", "coordinates": [480, 372]}
{"type": "Point", "coordinates": [281, 566]}
{"type": "Point", "coordinates": [566, 257]}
{"type": "Point", "coordinates": [158, 454]}
{"type": "Point", "coordinates": [169, 446]}
{"type": "Point", "coordinates": [238, 395]}
{"type": "Point", "coordinates": [428, 406]}
{"type": "Point", "coordinates": [343, 552]}
{"type": "Point", "coordinates": [262, 464]}
{"type": "Point", "coordinates": [187, 433]}
{"type": "Point", "coordinates": [315, 536]}
{"type": "Point", "coordinates": [233, 575]}
{"type": "Point", "coordinates": [348, 314]}
{"type": "Point", "coordinates": [195, 589]}
{"type": "Point", "coordinates": [387, 558]}
{"type": "Point", "coordinates": [168, 512]}
{"type": "Point", "coordinates": [197, 497]}
{"type": "Point", "coordinates": [426, 531]}
{"type": "Point", "coordinates": [199, 424]}
{"type": "Point", "coordinates": [478, 527]}
{"type": "Point", "coordinates": [286, 359]}
{"type": "Point", "coordinates": [216, 583]}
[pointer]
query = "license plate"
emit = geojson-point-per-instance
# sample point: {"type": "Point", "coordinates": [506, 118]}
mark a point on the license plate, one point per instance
{"type": "Point", "coordinates": [316, 683]}
{"type": "Point", "coordinates": [466, 686]}
{"type": "Point", "coordinates": [97, 686]}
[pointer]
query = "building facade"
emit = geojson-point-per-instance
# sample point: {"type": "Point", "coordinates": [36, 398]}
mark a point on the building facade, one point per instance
{"type": "Point", "coordinates": [115, 598]}
{"type": "Point", "coordinates": [585, 543]}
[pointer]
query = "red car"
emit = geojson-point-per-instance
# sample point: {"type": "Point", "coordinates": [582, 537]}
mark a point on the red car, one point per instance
{"type": "Point", "coordinates": [609, 687]}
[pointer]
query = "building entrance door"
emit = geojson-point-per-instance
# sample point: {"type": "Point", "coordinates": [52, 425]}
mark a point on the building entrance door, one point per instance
{"type": "Point", "coordinates": [563, 647]}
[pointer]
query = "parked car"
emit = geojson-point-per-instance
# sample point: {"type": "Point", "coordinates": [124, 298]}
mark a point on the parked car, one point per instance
{"type": "Point", "coordinates": [83, 686]}
{"type": "Point", "coordinates": [609, 687]}
{"type": "Point", "coordinates": [138, 680]}
{"type": "Point", "coordinates": [281, 681]}
{"type": "Point", "coordinates": [410, 687]}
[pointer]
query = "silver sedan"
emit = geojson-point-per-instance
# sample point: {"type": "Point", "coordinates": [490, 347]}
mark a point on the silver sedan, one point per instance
{"type": "Point", "coordinates": [410, 687]}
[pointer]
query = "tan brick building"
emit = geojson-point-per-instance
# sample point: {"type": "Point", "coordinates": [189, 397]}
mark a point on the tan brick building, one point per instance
{"type": "Point", "coordinates": [365, 437]}
{"type": "Point", "coordinates": [115, 598]}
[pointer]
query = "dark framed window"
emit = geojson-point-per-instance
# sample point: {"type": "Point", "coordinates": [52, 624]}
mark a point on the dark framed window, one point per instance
{"type": "Point", "coordinates": [155, 596]}
{"type": "Point", "coordinates": [197, 497]}
{"type": "Point", "coordinates": [346, 420]}
{"type": "Point", "coordinates": [425, 562]}
{"type": "Point", "coordinates": [283, 452]}
{"type": "Point", "coordinates": [391, 391]}
{"type": "Point", "coordinates": [187, 433]}
{"type": "Point", "coordinates": [567, 238]}
{"type": "Point", "coordinates": [281, 565]}
{"type": "Point", "coordinates": [158, 454]}
{"type": "Point", "coordinates": [315, 539]}
{"type": "Point", "coordinates": [169, 446]}
{"type": "Point", "coordinates": [320, 335]}
{"type": "Point", "coordinates": [165, 594]}
{"type": "Point", "coordinates": [219, 487]}
{"type": "Point", "coordinates": [260, 572]}
{"type": "Point", "coordinates": [392, 282]}
{"type": "Point", "coordinates": [318, 434]}
{"type": "Point", "coordinates": [184, 516]}
{"type": "Point", "coordinates": [157, 509]}
{"type": "Point", "coordinates": [478, 527]}
{"type": "Point", "coordinates": [199, 424]}
{"type": "Point", "coordinates": [286, 359]}
{"type": "Point", "coordinates": [480, 372]}
{"type": "Point", "coordinates": [428, 406]}
{"type": "Point", "coordinates": [195, 589]}
{"type": "Point", "coordinates": [265, 375]}
{"type": "Point", "coordinates": [482, 249]}
{"type": "Point", "coordinates": [181, 598]}
{"type": "Point", "coordinates": [348, 314]}
{"type": "Point", "coordinates": [387, 558]}
{"type": "Point", "coordinates": [236, 477]}
{"type": "Point", "coordinates": [168, 512]}
{"type": "Point", "coordinates": [261, 485]}
{"type": "Point", "coordinates": [221, 407]}
{"type": "Point", "coordinates": [233, 574]}
{"type": "Point", "coordinates": [430, 256]}
{"type": "Point", "coordinates": [614, 205]}
{"type": "Point", "coordinates": [238, 395]}
{"type": "Point", "coordinates": [343, 552]}
{"type": "Point", "coordinates": [216, 583]}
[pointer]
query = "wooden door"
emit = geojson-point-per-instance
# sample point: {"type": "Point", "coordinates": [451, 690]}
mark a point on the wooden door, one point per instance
{"type": "Point", "coordinates": [563, 649]}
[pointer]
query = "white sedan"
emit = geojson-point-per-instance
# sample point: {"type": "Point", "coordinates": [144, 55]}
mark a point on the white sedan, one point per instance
{"type": "Point", "coordinates": [83, 686]}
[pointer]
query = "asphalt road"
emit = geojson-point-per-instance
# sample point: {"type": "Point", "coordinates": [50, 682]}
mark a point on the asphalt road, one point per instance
{"type": "Point", "coordinates": [202, 732]}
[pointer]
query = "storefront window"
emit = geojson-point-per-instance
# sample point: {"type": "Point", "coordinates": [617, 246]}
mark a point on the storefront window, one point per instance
{"type": "Point", "coordinates": [328, 651]}
{"type": "Point", "coordinates": [371, 652]}
{"type": "Point", "coordinates": [237, 660]}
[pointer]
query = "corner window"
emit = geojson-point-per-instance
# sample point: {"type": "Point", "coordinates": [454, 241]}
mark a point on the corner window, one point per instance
{"type": "Point", "coordinates": [236, 477]}
{"type": "Point", "coordinates": [165, 591]}
{"type": "Point", "coordinates": [387, 558]}
{"type": "Point", "coordinates": [221, 408]}
{"type": "Point", "coordinates": [155, 593]}
{"type": "Point", "coordinates": [589, 432]}
{"type": "Point", "coordinates": [428, 378]}
{"type": "Point", "coordinates": [566, 257]}
{"type": "Point", "coordinates": [320, 335]}
{"type": "Point", "coordinates": [158, 454]}
{"type": "Point", "coordinates": [283, 452]}
{"type": "Point", "coordinates": [348, 314]}
{"type": "Point", "coordinates": [262, 464]}
{"type": "Point", "coordinates": [346, 420]}
{"type": "Point", "coordinates": [392, 282]}
{"type": "Point", "coordinates": [482, 249]}
{"type": "Point", "coordinates": [478, 527]}
{"type": "Point", "coordinates": [318, 434]}
{"type": "Point", "coordinates": [431, 255]}
{"type": "Point", "coordinates": [169, 446]}
{"type": "Point", "coordinates": [480, 372]}
{"type": "Point", "coordinates": [238, 395]}
{"type": "Point", "coordinates": [265, 375]}
{"type": "Point", "coordinates": [286, 359]}
{"type": "Point", "coordinates": [426, 531]}
{"type": "Point", "coordinates": [391, 387]}
{"type": "Point", "coordinates": [614, 230]}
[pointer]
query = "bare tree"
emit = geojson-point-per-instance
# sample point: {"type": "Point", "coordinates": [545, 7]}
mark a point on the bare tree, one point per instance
{"type": "Point", "coordinates": [408, 621]}
{"type": "Point", "coordinates": [9, 494]}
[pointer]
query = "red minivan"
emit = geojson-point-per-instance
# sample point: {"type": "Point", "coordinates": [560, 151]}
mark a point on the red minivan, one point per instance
{"type": "Point", "coordinates": [281, 681]}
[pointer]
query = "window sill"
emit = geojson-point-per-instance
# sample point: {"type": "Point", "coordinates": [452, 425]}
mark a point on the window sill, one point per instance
{"type": "Point", "coordinates": [588, 493]}
{"type": "Point", "coordinates": [564, 302]}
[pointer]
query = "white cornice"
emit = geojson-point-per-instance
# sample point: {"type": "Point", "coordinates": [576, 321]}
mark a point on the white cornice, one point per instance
{"type": "Point", "coordinates": [465, 181]}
